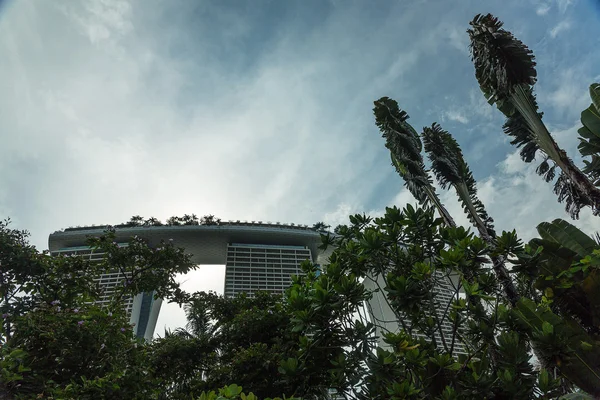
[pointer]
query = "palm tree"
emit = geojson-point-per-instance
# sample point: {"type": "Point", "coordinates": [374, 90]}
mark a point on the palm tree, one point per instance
{"type": "Point", "coordinates": [450, 169]}
{"type": "Point", "coordinates": [405, 148]}
{"type": "Point", "coordinates": [505, 69]}
{"type": "Point", "coordinates": [321, 227]}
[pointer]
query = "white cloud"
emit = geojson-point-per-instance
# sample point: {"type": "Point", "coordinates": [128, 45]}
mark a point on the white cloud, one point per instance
{"type": "Point", "coordinates": [206, 278]}
{"type": "Point", "coordinates": [517, 198]}
{"type": "Point", "coordinates": [564, 4]}
{"type": "Point", "coordinates": [168, 135]}
{"type": "Point", "coordinates": [455, 115]}
{"type": "Point", "coordinates": [562, 26]}
{"type": "Point", "coordinates": [542, 9]}
{"type": "Point", "coordinates": [567, 93]}
{"type": "Point", "coordinates": [458, 39]}
{"type": "Point", "coordinates": [340, 215]}
{"type": "Point", "coordinates": [116, 108]}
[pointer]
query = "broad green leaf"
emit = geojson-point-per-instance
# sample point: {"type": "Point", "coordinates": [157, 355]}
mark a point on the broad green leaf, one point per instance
{"type": "Point", "coordinates": [544, 380]}
{"type": "Point", "coordinates": [567, 235]}
{"type": "Point", "coordinates": [590, 118]}
{"type": "Point", "coordinates": [232, 390]}
{"type": "Point", "coordinates": [586, 345]}
{"type": "Point", "coordinates": [547, 328]}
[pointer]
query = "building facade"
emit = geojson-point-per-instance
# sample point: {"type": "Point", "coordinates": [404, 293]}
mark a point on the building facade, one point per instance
{"type": "Point", "coordinates": [257, 257]}
{"type": "Point", "coordinates": [385, 319]}
{"type": "Point", "coordinates": [253, 267]}
{"type": "Point", "coordinates": [142, 309]}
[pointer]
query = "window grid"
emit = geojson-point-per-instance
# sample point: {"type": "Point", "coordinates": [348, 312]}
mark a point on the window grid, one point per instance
{"type": "Point", "coordinates": [266, 268]}
{"type": "Point", "coordinates": [108, 282]}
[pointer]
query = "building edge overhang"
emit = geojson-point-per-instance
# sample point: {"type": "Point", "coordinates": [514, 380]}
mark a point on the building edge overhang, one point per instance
{"type": "Point", "coordinates": [206, 243]}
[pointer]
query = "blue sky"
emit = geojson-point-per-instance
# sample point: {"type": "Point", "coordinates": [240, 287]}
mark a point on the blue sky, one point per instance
{"type": "Point", "coordinates": [261, 110]}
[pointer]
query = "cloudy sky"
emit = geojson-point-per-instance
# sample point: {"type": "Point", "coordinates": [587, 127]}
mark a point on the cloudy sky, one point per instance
{"type": "Point", "coordinates": [261, 110]}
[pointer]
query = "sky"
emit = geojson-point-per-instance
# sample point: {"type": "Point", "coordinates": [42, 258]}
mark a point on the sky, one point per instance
{"type": "Point", "coordinates": [262, 109]}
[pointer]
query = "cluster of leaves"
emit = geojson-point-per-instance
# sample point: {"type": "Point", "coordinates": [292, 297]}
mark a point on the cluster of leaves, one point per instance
{"type": "Point", "coordinates": [552, 289]}
{"type": "Point", "coordinates": [321, 227]}
{"type": "Point", "coordinates": [242, 340]}
{"type": "Point", "coordinates": [318, 336]}
{"type": "Point", "coordinates": [148, 269]}
{"type": "Point", "coordinates": [54, 343]}
{"type": "Point", "coordinates": [75, 353]}
{"type": "Point", "coordinates": [234, 392]}
{"type": "Point", "coordinates": [29, 278]}
{"type": "Point", "coordinates": [187, 219]}
{"type": "Point", "coordinates": [466, 347]}
{"type": "Point", "coordinates": [589, 135]}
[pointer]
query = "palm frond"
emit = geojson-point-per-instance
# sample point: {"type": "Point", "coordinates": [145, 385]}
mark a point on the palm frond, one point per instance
{"type": "Point", "coordinates": [520, 130]}
{"type": "Point", "coordinates": [501, 61]}
{"type": "Point", "coordinates": [414, 183]}
{"type": "Point", "coordinates": [404, 145]}
{"type": "Point", "coordinates": [505, 70]}
{"type": "Point", "coordinates": [571, 195]}
{"type": "Point", "coordinates": [595, 95]}
{"type": "Point", "coordinates": [391, 119]}
{"type": "Point", "coordinates": [400, 137]}
{"type": "Point", "coordinates": [547, 171]}
{"type": "Point", "coordinates": [451, 169]}
{"type": "Point", "coordinates": [405, 148]}
{"type": "Point", "coordinates": [445, 155]}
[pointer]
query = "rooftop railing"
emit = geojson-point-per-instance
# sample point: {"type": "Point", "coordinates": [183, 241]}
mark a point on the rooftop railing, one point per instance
{"type": "Point", "coordinates": [221, 223]}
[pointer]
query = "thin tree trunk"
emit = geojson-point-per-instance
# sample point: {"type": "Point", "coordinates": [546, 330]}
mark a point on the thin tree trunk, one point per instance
{"type": "Point", "coordinates": [430, 191]}
{"type": "Point", "coordinates": [497, 262]}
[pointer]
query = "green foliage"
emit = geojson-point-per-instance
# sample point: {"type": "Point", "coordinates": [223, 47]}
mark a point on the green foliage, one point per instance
{"type": "Point", "coordinates": [321, 227]}
{"type": "Point", "coordinates": [54, 343]}
{"type": "Point", "coordinates": [147, 269]}
{"type": "Point", "coordinates": [318, 338]}
{"type": "Point", "coordinates": [75, 353]}
{"type": "Point", "coordinates": [29, 278]}
{"type": "Point", "coordinates": [234, 392]}
{"type": "Point", "coordinates": [561, 315]}
{"type": "Point", "coordinates": [187, 219]}
{"type": "Point", "coordinates": [405, 148]}
{"type": "Point", "coordinates": [451, 169]}
{"type": "Point", "coordinates": [244, 340]}
{"type": "Point", "coordinates": [482, 351]}
{"type": "Point", "coordinates": [589, 135]}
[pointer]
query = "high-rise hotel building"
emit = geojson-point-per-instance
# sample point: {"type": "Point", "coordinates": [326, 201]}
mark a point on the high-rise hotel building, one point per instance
{"type": "Point", "coordinates": [257, 256]}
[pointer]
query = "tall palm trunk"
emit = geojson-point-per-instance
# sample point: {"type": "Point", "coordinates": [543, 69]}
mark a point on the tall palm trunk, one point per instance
{"type": "Point", "coordinates": [451, 169]}
{"type": "Point", "coordinates": [498, 266]}
{"type": "Point", "coordinates": [435, 200]}
{"type": "Point", "coordinates": [430, 196]}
